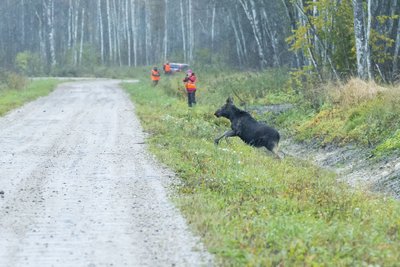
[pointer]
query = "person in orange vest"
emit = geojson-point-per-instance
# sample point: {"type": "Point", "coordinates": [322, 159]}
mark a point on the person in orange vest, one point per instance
{"type": "Point", "coordinates": [190, 85]}
{"type": "Point", "coordinates": [155, 76]}
{"type": "Point", "coordinates": [167, 68]}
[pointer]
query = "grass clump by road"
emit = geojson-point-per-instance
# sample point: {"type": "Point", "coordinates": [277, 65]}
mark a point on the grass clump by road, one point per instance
{"type": "Point", "coordinates": [11, 98]}
{"type": "Point", "coordinates": [254, 210]}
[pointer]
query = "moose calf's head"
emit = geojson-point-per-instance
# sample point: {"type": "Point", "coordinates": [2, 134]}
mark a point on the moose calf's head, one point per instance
{"type": "Point", "coordinates": [226, 109]}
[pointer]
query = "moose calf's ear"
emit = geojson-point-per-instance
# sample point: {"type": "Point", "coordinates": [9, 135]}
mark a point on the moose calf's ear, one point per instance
{"type": "Point", "coordinates": [229, 100]}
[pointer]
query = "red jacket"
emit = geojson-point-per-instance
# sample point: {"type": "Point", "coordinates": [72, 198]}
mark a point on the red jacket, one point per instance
{"type": "Point", "coordinates": [190, 83]}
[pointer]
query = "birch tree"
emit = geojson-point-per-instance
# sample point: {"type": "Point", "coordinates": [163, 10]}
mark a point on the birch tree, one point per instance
{"type": "Point", "coordinates": [49, 7]}
{"type": "Point", "coordinates": [249, 8]}
{"type": "Point", "coordinates": [359, 32]}
{"type": "Point", "coordinates": [327, 38]}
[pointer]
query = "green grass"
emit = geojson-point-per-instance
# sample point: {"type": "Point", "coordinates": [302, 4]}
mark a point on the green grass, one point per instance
{"type": "Point", "coordinates": [253, 210]}
{"type": "Point", "coordinates": [13, 98]}
{"type": "Point", "coordinates": [373, 123]}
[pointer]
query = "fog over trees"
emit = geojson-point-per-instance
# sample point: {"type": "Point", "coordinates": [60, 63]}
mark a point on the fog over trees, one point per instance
{"type": "Point", "coordinates": [330, 38]}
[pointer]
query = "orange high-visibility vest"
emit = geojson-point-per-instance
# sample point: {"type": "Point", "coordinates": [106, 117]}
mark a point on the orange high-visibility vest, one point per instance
{"type": "Point", "coordinates": [155, 75]}
{"type": "Point", "coordinates": [167, 68]}
{"type": "Point", "coordinates": [190, 86]}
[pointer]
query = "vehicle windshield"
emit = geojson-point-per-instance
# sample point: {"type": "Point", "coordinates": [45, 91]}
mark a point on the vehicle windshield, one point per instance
{"type": "Point", "coordinates": [179, 66]}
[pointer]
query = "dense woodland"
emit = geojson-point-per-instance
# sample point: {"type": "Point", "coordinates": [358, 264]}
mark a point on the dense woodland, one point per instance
{"type": "Point", "coordinates": [330, 39]}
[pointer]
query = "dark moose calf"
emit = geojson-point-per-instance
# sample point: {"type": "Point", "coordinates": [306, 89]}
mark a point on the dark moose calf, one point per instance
{"type": "Point", "coordinates": [252, 132]}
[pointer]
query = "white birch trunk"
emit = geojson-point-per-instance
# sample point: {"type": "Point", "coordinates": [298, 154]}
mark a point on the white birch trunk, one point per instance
{"type": "Point", "coordinates": [183, 31]}
{"type": "Point", "coordinates": [117, 33]}
{"type": "Point", "coordinates": [100, 26]}
{"type": "Point", "coordinates": [253, 19]}
{"type": "Point", "coordinates": [69, 42]}
{"type": "Point", "coordinates": [396, 54]}
{"type": "Point", "coordinates": [148, 45]}
{"type": "Point", "coordinates": [213, 27]}
{"type": "Point", "coordinates": [75, 32]}
{"type": "Point", "coordinates": [242, 37]}
{"type": "Point", "coordinates": [110, 45]}
{"type": "Point", "coordinates": [134, 31]}
{"type": "Point", "coordinates": [367, 39]}
{"type": "Point", "coordinates": [82, 36]}
{"type": "Point", "coordinates": [239, 49]}
{"type": "Point", "coordinates": [166, 30]}
{"type": "Point", "coordinates": [50, 25]}
{"type": "Point", "coordinates": [191, 33]}
{"type": "Point", "coordinates": [273, 39]}
{"type": "Point", "coordinates": [23, 31]}
{"type": "Point", "coordinates": [42, 44]}
{"type": "Point", "coordinates": [128, 32]}
{"type": "Point", "coordinates": [360, 38]}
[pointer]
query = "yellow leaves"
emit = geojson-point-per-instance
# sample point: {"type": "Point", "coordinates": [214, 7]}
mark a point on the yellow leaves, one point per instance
{"type": "Point", "coordinates": [384, 18]}
{"type": "Point", "coordinates": [299, 38]}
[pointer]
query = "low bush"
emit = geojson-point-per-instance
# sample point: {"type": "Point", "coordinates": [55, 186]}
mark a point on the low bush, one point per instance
{"type": "Point", "coordinates": [12, 80]}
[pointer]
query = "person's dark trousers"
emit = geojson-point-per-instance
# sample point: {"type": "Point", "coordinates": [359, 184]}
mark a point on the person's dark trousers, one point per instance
{"type": "Point", "coordinates": [191, 98]}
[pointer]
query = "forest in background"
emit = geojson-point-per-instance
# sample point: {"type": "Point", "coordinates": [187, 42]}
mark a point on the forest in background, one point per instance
{"type": "Point", "coordinates": [324, 39]}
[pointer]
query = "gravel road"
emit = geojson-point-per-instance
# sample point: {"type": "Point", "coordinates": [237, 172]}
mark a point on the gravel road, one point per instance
{"type": "Point", "coordinates": [78, 187]}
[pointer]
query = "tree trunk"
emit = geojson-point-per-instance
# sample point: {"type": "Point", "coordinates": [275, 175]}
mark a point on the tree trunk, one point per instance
{"type": "Point", "coordinates": [148, 45]}
{"type": "Point", "coordinates": [183, 31]}
{"type": "Point", "coordinates": [396, 54]}
{"type": "Point", "coordinates": [42, 44]}
{"type": "Point", "coordinates": [75, 31]}
{"type": "Point", "coordinates": [360, 39]}
{"type": "Point", "coordinates": [69, 43]}
{"type": "Point", "coordinates": [273, 38]}
{"type": "Point", "coordinates": [128, 32]}
{"type": "Point", "coordinates": [253, 19]}
{"type": "Point", "coordinates": [293, 26]}
{"type": "Point", "coordinates": [242, 37]}
{"type": "Point", "coordinates": [50, 28]}
{"type": "Point", "coordinates": [165, 30]}
{"type": "Point", "coordinates": [134, 31]}
{"type": "Point", "coordinates": [239, 50]}
{"type": "Point", "coordinates": [100, 26]}
{"type": "Point", "coordinates": [213, 28]}
{"type": "Point", "coordinates": [191, 32]}
{"type": "Point", "coordinates": [82, 35]}
{"type": "Point", "coordinates": [110, 46]}
{"type": "Point", "coordinates": [367, 43]}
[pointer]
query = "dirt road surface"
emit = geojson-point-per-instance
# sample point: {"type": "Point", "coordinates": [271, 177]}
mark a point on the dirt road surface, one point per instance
{"type": "Point", "coordinates": [78, 188]}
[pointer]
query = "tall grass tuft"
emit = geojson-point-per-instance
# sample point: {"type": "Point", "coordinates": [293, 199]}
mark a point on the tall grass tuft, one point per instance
{"type": "Point", "coordinates": [354, 92]}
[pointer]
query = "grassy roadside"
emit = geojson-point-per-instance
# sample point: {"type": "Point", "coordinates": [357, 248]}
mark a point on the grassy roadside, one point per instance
{"type": "Point", "coordinates": [13, 98]}
{"type": "Point", "coordinates": [253, 210]}
{"type": "Point", "coordinates": [358, 112]}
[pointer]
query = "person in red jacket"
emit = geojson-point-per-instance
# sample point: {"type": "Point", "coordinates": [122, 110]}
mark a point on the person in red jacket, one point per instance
{"type": "Point", "coordinates": [190, 85]}
{"type": "Point", "coordinates": [155, 76]}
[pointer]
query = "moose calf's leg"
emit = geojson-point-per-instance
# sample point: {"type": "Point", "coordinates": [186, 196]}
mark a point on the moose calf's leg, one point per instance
{"type": "Point", "coordinates": [227, 134]}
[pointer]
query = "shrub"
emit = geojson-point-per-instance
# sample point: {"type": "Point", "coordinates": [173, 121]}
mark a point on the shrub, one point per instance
{"type": "Point", "coordinates": [15, 81]}
{"type": "Point", "coordinates": [28, 63]}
